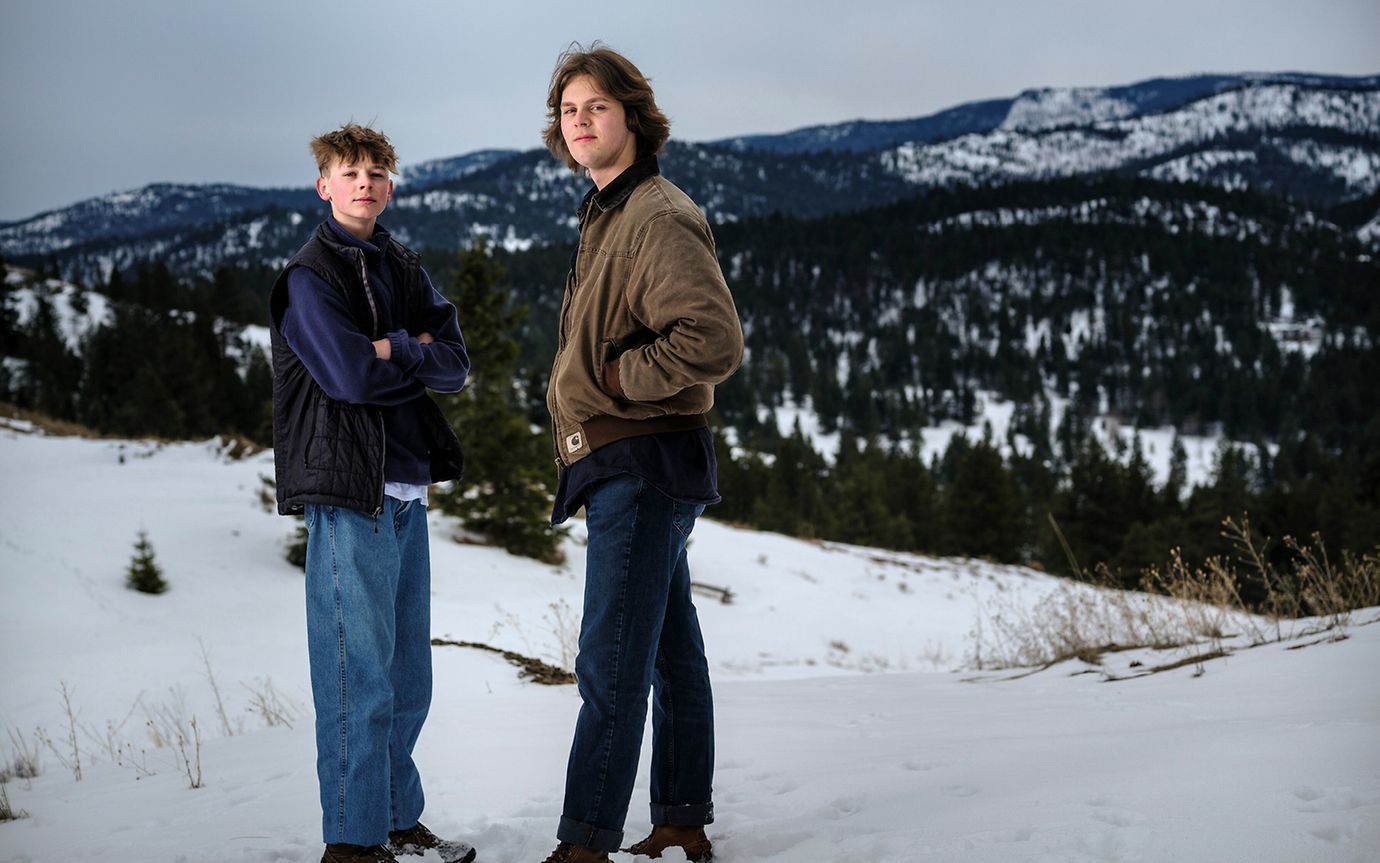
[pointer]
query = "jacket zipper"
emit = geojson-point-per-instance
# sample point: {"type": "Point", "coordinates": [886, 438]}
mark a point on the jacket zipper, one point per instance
{"type": "Point", "coordinates": [571, 284]}
{"type": "Point", "coordinates": [560, 347]}
{"type": "Point", "coordinates": [368, 291]}
{"type": "Point", "coordinates": [383, 459]}
{"type": "Point", "coordinates": [383, 434]}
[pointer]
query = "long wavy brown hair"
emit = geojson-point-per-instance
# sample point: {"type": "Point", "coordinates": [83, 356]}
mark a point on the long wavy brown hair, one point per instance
{"type": "Point", "coordinates": [619, 79]}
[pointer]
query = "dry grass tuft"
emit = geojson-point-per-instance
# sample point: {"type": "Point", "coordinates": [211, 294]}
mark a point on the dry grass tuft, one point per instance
{"type": "Point", "coordinates": [1196, 609]}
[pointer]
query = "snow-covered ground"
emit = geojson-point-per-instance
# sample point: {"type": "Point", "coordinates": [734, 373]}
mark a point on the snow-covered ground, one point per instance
{"type": "Point", "coordinates": [1272, 754]}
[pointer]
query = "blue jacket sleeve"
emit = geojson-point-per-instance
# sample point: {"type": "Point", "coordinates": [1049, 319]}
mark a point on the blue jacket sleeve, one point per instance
{"type": "Point", "coordinates": [442, 365]}
{"type": "Point", "coordinates": [320, 330]}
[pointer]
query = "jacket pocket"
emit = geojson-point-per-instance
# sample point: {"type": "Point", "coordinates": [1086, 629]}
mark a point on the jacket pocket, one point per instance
{"type": "Point", "coordinates": [320, 443]}
{"type": "Point", "coordinates": [340, 440]}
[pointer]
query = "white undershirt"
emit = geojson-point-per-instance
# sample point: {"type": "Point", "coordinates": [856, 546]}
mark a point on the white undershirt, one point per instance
{"type": "Point", "coordinates": [405, 491]}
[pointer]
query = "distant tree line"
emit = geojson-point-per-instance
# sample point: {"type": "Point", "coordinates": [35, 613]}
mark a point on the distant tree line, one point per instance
{"type": "Point", "coordinates": [973, 501]}
{"type": "Point", "coordinates": [165, 362]}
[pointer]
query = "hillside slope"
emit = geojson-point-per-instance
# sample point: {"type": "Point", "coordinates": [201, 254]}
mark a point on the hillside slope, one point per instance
{"type": "Point", "coordinates": [1268, 756]}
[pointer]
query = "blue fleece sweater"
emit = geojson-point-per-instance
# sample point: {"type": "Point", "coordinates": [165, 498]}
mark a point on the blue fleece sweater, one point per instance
{"type": "Point", "coordinates": [319, 328]}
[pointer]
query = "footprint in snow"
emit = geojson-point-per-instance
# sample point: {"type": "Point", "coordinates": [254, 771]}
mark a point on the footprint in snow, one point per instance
{"type": "Point", "coordinates": [1119, 817]}
{"type": "Point", "coordinates": [842, 807]}
{"type": "Point", "coordinates": [1331, 800]}
{"type": "Point", "coordinates": [1335, 834]}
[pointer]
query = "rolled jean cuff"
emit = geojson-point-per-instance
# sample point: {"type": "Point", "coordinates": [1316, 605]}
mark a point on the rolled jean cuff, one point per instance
{"type": "Point", "coordinates": [687, 815]}
{"type": "Point", "coordinates": [578, 833]}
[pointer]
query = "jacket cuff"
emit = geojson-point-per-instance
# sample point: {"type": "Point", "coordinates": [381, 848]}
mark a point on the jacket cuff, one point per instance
{"type": "Point", "coordinates": [405, 351]}
{"type": "Point", "coordinates": [608, 376]}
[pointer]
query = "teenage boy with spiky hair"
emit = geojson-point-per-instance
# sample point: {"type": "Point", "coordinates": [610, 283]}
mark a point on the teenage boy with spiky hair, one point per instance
{"type": "Point", "coordinates": [359, 334]}
{"type": "Point", "coordinates": [647, 328]}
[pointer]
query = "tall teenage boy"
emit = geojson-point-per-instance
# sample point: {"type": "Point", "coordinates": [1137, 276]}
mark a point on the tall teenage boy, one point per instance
{"type": "Point", "coordinates": [359, 334]}
{"type": "Point", "coordinates": [647, 328]}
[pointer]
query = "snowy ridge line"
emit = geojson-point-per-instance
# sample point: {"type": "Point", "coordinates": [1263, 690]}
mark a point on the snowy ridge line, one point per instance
{"type": "Point", "coordinates": [1108, 145]}
{"type": "Point", "coordinates": [1104, 106]}
{"type": "Point", "coordinates": [442, 200]}
{"type": "Point", "coordinates": [1147, 98]}
{"type": "Point", "coordinates": [1207, 140]}
{"type": "Point", "coordinates": [1200, 216]}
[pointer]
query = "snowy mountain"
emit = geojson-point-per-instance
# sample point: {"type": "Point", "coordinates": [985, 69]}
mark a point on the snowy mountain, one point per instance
{"type": "Point", "coordinates": [438, 170]}
{"type": "Point", "coordinates": [863, 711]}
{"type": "Point", "coordinates": [1258, 131]}
{"type": "Point", "coordinates": [154, 209]}
{"type": "Point", "coordinates": [1030, 111]}
{"type": "Point", "coordinates": [1309, 137]}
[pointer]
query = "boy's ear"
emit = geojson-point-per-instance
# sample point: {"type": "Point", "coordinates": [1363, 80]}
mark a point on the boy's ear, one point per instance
{"type": "Point", "coordinates": [321, 189]}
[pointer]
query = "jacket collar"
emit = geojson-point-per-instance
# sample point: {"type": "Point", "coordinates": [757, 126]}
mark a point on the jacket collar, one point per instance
{"type": "Point", "coordinates": [341, 237]}
{"type": "Point", "coordinates": [616, 192]}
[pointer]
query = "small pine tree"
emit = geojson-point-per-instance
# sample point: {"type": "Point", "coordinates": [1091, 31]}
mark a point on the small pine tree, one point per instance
{"type": "Point", "coordinates": [297, 547]}
{"type": "Point", "coordinates": [507, 489]}
{"type": "Point", "coordinates": [144, 573]}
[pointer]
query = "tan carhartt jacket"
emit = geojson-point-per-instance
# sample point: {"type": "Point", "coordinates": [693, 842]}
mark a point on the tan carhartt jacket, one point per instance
{"type": "Point", "coordinates": [648, 326]}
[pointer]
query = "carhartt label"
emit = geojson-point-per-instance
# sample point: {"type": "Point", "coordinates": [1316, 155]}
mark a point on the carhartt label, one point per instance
{"type": "Point", "coordinates": [573, 442]}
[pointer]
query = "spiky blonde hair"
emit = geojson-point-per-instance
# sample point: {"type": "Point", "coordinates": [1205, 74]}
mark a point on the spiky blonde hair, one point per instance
{"type": "Point", "coordinates": [351, 144]}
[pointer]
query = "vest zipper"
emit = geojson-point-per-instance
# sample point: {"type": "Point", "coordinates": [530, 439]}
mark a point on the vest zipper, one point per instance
{"type": "Point", "coordinates": [373, 334]}
{"type": "Point", "coordinates": [383, 465]}
{"type": "Point", "coordinates": [369, 294]}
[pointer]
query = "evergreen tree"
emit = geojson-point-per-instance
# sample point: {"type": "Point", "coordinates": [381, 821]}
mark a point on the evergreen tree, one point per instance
{"type": "Point", "coordinates": [54, 371]}
{"type": "Point", "coordinates": [296, 552]}
{"type": "Point", "coordinates": [1177, 483]}
{"type": "Point", "coordinates": [254, 414]}
{"type": "Point", "coordinates": [793, 498]}
{"type": "Point", "coordinates": [507, 490]}
{"type": "Point", "coordinates": [144, 573]}
{"type": "Point", "coordinates": [1089, 509]}
{"type": "Point", "coordinates": [983, 516]}
{"type": "Point", "coordinates": [865, 512]}
{"type": "Point", "coordinates": [10, 334]}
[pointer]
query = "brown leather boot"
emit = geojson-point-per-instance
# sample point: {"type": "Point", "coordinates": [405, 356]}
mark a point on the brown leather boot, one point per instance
{"type": "Point", "coordinates": [419, 840]}
{"type": "Point", "coordinates": [343, 852]}
{"type": "Point", "coordinates": [690, 839]}
{"type": "Point", "coordinates": [567, 853]}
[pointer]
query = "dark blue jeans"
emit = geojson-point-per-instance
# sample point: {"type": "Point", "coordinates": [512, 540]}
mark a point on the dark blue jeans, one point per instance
{"type": "Point", "coordinates": [639, 633]}
{"type": "Point", "coordinates": [369, 642]}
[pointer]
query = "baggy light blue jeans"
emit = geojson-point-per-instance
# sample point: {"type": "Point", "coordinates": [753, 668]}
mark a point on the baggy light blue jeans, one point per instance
{"type": "Point", "coordinates": [369, 644]}
{"type": "Point", "coordinates": [639, 633]}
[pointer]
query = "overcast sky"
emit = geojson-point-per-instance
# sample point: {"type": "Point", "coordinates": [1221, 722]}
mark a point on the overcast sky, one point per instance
{"type": "Point", "coordinates": [105, 95]}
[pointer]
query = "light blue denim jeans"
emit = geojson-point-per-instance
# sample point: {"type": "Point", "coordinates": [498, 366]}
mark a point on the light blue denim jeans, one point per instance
{"type": "Point", "coordinates": [369, 644]}
{"type": "Point", "coordinates": [639, 633]}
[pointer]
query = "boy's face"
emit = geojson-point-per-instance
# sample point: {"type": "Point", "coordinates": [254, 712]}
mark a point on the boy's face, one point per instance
{"type": "Point", "coordinates": [357, 192]}
{"type": "Point", "coordinates": [595, 129]}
